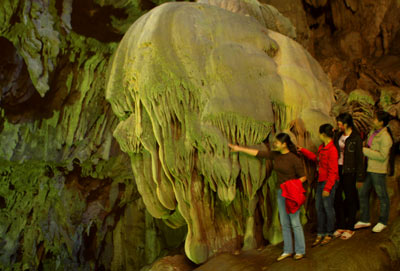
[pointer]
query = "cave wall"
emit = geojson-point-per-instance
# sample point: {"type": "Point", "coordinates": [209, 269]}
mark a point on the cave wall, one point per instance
{"type": "Point", "coordinates": [68, 200]}
{"type": "Point", "coordinates": [356, 41]}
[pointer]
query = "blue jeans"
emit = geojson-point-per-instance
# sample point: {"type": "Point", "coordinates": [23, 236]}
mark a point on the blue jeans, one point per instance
{"type": "Point", "coordinates": [378, 182]}
{"type": "Point", "coordinates": [288, 222]}
{"type": "Point", "coordinates": [325, 210]}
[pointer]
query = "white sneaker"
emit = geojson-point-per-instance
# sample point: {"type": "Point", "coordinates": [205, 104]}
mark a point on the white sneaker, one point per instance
{"type": "Point", "coordinates": [379, 227]}
{"type": "Point", "coordinates": [360, 225]}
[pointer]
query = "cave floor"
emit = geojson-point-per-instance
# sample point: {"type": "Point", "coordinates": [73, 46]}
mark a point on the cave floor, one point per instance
{"type": "Point", "coordinates": [364, 251]}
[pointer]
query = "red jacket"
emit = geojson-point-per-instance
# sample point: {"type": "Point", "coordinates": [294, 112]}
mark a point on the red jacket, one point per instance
{"type": "Point", "coordinates": [293, 191]}
{"type": "Point", "coordinates": [327, 163]}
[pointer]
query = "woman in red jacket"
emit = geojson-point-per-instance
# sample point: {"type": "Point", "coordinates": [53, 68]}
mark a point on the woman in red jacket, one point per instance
{"type": "Point", "coordinates": [327, 161]}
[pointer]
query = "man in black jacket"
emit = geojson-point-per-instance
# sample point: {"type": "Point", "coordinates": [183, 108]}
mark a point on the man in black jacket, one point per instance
{"type": "Point", "coordinates": [351, 170]}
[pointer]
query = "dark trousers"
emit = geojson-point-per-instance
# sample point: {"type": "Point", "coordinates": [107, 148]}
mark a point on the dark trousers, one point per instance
{"type": "Point", "coordinates": [346, 208]}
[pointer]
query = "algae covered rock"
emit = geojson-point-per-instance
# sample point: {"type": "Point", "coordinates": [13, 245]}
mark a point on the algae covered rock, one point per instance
{"type": "Point", "coordinates": [186, 79]}
{"type": "Point", "coordinates": [68, 200]}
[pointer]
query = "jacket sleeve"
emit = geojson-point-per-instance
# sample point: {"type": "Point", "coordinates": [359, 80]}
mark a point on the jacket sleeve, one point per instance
{"type": "Point", "coordinates": [310, 155]}
{"type": "Point", "coordinates": [359, 160]}
{"type": "Point", "coordinates": [383, 152]}
{"type": "Point", "coordinates": [332, 169]}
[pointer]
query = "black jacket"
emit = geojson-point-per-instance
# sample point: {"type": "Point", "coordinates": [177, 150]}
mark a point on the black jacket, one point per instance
{"type": "Point", "coordinates": [353, 161]}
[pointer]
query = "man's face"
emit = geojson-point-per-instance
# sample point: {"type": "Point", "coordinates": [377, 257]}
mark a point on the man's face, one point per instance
{"type": "Point", "coordinates": [341, 126]}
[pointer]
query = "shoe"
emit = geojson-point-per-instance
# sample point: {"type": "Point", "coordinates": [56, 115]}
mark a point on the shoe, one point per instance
{"type": "Point", "coordinates": [361, 225]}
{"type": "Point", "coordinates": [298, 257]}
{"type": "Point", "coordinates": [326, 240]}
{"type": "Point", "coordinates": [347, 235]}
{"type": "Point", "coordinates": [379, 227]}
{"type": "Point", "coordinates": [317, 240]}
{"type": "Point", "coordinates": [284, 256]}
{"type": "Point", "coordinates": [338, 233]}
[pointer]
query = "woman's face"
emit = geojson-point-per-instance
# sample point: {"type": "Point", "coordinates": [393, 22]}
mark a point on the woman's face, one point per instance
{"type": "Point", "coordinates": [278, 146]}
{"type": "Point", "coordinates": [376, 123]}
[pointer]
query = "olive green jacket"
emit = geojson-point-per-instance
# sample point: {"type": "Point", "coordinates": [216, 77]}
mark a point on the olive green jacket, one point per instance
{"type": "Point", "coordinates": [378, 154]}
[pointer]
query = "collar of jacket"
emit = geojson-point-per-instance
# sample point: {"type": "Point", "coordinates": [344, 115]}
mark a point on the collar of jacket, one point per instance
{"type": "Point", "coordinates": [353, 134]}
{"type": "Point", "coordinates": [327, 146]}
{"type": "Point", "coordinates": [384, 129]}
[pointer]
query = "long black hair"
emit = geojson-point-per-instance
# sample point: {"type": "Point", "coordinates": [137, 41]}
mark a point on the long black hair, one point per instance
{"type": "Point", "coordinates": [346, 118]}
{"type": "Point", "coordinates": [385, 117]}
{"type": "Point", "coordinates": [326, 129]}
{"type": "Point", "coordinates": [285, 138]}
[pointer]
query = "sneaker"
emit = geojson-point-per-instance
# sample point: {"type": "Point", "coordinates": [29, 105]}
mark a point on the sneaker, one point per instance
{"type": "Point", "coordinates": [360, 225]}
{"type": "Point", "coordinates": [379, 227]}
{"type": "Point", "coordinates": [284, 256]}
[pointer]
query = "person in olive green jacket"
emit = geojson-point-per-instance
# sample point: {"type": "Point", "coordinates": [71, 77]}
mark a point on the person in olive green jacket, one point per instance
{"type": "Point", "coordinates": [377, 152]}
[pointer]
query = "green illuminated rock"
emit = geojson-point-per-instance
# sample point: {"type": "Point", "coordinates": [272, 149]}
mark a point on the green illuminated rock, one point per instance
{"type": "Point", "coordinates": [68, 199]}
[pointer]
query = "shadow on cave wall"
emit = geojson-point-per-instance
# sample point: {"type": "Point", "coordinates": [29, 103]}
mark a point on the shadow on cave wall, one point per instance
{"type": "Point", "coordinates": [19, 98]}
{"type": "Point", "coordinates": [92, 20]}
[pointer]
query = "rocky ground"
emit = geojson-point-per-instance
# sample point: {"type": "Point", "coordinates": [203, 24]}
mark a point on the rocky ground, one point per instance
{"type": "Point", "coordinates": [364, 251]}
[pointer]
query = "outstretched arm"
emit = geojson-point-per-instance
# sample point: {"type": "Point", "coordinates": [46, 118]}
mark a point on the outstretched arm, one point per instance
{"type": "Point", "coordinates": [308, 154]}
{"type": "Point", "coordinates": [249, 151]}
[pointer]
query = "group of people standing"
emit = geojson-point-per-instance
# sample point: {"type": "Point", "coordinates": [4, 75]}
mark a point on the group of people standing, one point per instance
{"type": "Point", "coordinates": [340, 161]}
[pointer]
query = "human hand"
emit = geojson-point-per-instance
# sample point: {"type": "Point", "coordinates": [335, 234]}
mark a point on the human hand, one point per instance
{"type": "Point", "coordinates": [325, 193]}
{"type": "Point", "coordinates": [234, 148]}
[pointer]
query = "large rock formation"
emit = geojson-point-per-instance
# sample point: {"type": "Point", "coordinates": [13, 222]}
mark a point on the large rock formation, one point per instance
{"type": "Point", "coordinates": [68, 198]}
{"type": "Point", "coordinates": [187, 79]}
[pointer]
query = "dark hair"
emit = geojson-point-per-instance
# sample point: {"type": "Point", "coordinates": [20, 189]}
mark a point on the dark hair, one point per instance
{"type": "Point", "coordinates": [285, 138]}
{"type": "Point", "coordinates": [326, 129]}
{"type": "Point", "coordinates": [346, 118]}
{"type": "Point", "coordinates": [385, 117]}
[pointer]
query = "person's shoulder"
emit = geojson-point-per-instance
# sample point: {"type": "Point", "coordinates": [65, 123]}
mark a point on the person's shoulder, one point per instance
{"type": "Point", "coordinates": [294, 156]}
{"type": "Point", "coordinates": [387, 135]}
{"type": "Point", "coordinates": [332, 149]}
{"type": "Point", "coordinates": [356, 135]}
{"type": "Point", "coordinates": [275, 153]}
{"type": "Point", "coordinates": [331, 145]}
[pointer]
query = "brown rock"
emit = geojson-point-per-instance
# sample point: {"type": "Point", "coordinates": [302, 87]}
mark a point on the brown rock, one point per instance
{"type": "Point", "coordinates": [316, 3]}
{"type": "Point", "coordinates": [293, 9]}
{"type": "Point", "coordinates": [173, 263]}
{"type": "Point", "coordinates": [351, 44]}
